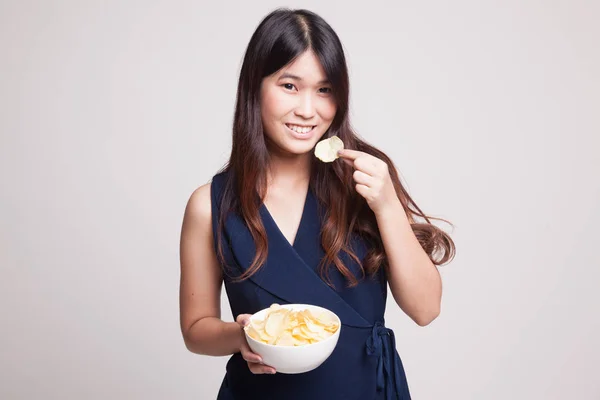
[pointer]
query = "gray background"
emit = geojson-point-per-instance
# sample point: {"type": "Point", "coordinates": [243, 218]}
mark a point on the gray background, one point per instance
{"type": "Point", "coordinates": [113, 112]}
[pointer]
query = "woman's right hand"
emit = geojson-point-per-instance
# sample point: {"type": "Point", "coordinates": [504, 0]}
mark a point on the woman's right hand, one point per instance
{"type": "Point", "coordinates": [254, 361]}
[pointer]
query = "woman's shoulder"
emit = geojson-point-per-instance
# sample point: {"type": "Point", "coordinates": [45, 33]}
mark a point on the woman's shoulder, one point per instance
{"type": "Point", "coordinates": [200, 203]}
{"type": "Point", "coordinates": [198, 209]}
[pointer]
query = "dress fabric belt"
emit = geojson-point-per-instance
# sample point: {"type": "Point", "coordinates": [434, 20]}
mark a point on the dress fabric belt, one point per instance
{"type": "Point", "coordinates": [382, 344]}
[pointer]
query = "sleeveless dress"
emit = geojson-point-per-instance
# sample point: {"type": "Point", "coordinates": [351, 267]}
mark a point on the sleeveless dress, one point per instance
{"type": "Point", "coordinates": [364, 365]}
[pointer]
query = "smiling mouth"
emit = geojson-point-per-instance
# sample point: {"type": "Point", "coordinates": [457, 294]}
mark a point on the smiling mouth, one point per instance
{"type": "Point", "coordinates": [302, 129]}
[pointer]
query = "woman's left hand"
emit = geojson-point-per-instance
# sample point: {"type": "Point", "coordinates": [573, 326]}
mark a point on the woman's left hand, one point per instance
{"type": "Point", "coordinates": [372, 177]}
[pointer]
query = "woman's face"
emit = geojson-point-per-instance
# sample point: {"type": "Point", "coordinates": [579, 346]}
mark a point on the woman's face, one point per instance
{"type": "Point", "coordinates": [297, 106]}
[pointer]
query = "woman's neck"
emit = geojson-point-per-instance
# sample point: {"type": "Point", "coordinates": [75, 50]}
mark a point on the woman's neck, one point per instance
{"type": "Point", "coordinates": [289, 172]}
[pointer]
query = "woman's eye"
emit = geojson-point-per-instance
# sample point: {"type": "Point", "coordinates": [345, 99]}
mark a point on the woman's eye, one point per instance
{"type": "Point", "coordinates": [325, 90]}
{"type": "Point", "coordinates": [288, 86]}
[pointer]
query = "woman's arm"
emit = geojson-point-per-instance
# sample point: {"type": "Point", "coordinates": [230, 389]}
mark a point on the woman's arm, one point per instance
{"type": "Point", "coordinates": [414, 280]}
{"type": "Point", "coordinates": [200, 284]}
{"type": "Point", "coordinates": [200, 290]}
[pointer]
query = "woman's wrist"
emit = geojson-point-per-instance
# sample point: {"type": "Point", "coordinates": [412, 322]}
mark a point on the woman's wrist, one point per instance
{"type": "Point", "coordinates": [234, 331]}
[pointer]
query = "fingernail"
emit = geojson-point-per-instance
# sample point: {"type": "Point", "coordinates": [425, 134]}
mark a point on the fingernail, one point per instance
{"type": "Point", "coordinates": [245, 321]}
{"type": "Point", "coordinates": [272, 371]}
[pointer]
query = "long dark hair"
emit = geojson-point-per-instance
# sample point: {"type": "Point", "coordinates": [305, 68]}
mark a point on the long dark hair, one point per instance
{"type": "Point", "coordinates": [280, 37]}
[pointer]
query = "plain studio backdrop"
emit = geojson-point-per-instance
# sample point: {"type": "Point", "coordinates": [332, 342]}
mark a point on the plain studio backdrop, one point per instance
{"type": "Point", "coordinates": [113, 112]}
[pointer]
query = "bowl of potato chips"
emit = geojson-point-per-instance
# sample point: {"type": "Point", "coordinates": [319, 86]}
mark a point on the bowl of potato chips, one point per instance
{"type": "Point", "coordinates": [293, 338]}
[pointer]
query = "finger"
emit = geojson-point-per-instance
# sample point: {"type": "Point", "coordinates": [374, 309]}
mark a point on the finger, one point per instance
{"type": "Point", "coordinates": [367, 165]}
{"type": "Point", "coordinates": [362, 178]}
{"type": "Point", "coordinates": [350, 154]}
{"type": "Point", "coordinates": [243, 319]}
{"type": "Point", "coordinates": [362, 163]}
{"type": "Point", "coordinates": [362, 190]}
{"type": "Point", "coordinates": [362, 160]}
{"type": "Point", "coordinates": [260, 369]}
{"type": "Point", "coordinates": [348, 162]}
{"type": "Point", "coordinates": [249, 355]}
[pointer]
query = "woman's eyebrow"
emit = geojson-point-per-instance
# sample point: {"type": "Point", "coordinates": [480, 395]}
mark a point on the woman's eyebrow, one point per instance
{"type": "Point", "coordinates": [287, 75]}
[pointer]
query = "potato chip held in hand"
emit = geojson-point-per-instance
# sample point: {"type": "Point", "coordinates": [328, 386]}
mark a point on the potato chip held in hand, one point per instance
{"type": "Point", "coordinates": [326, 150]}
{"type": "Point", "coordinates": [286, 327]}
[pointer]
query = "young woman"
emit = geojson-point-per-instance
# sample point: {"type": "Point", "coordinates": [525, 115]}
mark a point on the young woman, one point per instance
{"type": "Point", "coordinates": [278, 225]}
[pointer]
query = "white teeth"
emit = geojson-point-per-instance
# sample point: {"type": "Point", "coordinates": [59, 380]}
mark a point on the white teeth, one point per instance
{"type": "Point", "coordinates": [300, 129]}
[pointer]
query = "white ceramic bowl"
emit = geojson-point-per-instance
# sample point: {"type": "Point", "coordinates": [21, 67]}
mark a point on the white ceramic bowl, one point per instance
{"type": "Point", "coordinates": [295, 359]}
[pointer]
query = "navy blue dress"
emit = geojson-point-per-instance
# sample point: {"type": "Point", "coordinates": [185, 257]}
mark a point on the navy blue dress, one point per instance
{"type": "Point", "coordinates": [364, 365]}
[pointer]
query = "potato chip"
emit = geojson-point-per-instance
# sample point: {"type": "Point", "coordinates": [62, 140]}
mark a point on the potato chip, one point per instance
{"type": "Point", "coordinates": [326, 150]}
{"type": "Point", "coordinates": [285, 327]}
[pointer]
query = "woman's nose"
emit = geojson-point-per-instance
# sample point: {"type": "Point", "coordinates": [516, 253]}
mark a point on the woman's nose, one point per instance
{"type": "Point", "coordinates": [306, 106]}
